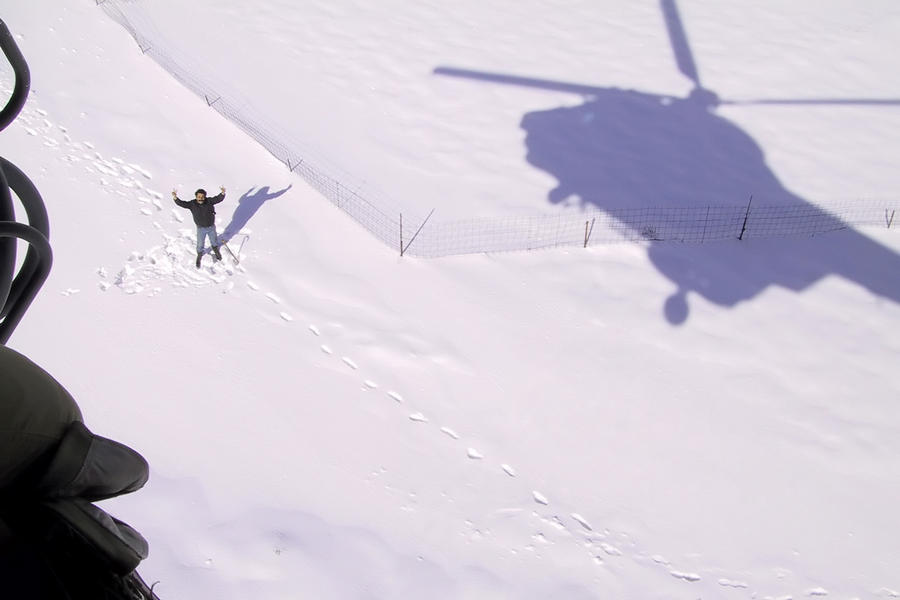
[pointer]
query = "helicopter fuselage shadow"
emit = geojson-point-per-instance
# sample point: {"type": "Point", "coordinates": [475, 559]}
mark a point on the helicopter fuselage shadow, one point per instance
{"type": "Point", "coordinates": [625, 149]}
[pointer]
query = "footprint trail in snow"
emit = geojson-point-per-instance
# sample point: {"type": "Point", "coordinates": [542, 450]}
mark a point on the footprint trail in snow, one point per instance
{"type": "Point", "coordinates": [170, 262]}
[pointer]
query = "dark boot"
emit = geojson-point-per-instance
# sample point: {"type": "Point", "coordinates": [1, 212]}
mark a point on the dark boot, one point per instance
{"type": "Point", "coordinates": [216, 252]}
{"type": "Point", "coordinates": [199, 256]}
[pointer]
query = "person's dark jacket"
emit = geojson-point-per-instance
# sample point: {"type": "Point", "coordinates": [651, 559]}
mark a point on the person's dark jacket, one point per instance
{"type": "Point", "coordinates": [204, 214]}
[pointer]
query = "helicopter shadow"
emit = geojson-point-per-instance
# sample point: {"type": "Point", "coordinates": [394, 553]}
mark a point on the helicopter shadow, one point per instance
{"type": "Point", "coordinates": [248, 205]}
{"type": "Point", "coordinates": [624, 149]}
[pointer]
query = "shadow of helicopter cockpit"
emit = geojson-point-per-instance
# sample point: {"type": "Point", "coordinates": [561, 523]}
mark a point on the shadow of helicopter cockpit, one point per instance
{"type": "Point", "coordinates": [625, 149]}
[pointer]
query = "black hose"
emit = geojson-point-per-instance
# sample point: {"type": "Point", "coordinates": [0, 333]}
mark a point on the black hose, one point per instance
{"type": "Point", "coordinates": [7, 246]}
{"type": "Point", "coordinates": [18, 290]}
{"type": "Point", "coordinates": [23, 77]}
{"type": "Point", "coordinates": [44, 253]}
{"type": "Point", "coordinates": [37, 218]}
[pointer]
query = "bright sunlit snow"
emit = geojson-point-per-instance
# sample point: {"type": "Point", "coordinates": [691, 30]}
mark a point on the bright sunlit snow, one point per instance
{"type": "Point", "coordinates": [329, 420]}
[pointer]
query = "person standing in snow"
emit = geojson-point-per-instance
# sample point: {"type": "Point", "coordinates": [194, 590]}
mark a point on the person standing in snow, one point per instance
{"type": "Point", "coordinates": [204, 215]}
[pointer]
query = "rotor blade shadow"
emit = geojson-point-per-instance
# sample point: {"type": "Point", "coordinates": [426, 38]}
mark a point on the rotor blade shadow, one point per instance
{"type": "Point", "coordinates": [684, 58]}
{"type": "Point", "coordinates": [530, 82]}
{"type": "Point", "coordinates": [814, 101]}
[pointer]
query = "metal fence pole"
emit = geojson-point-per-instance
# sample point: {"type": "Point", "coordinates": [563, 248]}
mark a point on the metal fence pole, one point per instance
{"type": "Point", "coordinates": [415, 235]}
{"type": "Point", "coordinates": [705, 225]}
{"type": "Point", "coordinates": [746, 216]}
{"type": "Point", "coordinates": [588, 232]}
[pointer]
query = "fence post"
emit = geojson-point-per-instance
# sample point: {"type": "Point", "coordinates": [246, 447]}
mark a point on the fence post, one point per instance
{"type": "Point", "coordinates": [415, 235]}
{"type": "Point", "coordinates": [891, 220]}
{"type": "Point", "coordinates": [746, 216]}
{"type": "Point", "coordinates": [705, 225]}
{"type": "Point", "coordinates": [587, 232]}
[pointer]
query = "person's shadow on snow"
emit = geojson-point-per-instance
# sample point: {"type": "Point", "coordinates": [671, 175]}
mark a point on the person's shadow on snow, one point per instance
{"type": "Point", "coordinates": [247, 206]}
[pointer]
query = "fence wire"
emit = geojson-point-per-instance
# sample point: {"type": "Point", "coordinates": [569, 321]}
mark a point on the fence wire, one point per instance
{"type": "Point", "coordinates": [376, 214]}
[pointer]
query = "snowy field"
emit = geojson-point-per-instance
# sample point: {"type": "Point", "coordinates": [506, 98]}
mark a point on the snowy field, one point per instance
{"type": "Point", "coordinates": [533, 108]}
{"type": "Point", "coordinates": [329, 420]}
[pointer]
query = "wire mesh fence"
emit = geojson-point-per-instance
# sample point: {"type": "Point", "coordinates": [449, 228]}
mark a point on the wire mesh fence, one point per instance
{"type": "Point", "coordinates": [311, 164]}
{"type": "Point", "coordinates": [668, 224]}
{"type": "Point", "coordinates": [421, 237]}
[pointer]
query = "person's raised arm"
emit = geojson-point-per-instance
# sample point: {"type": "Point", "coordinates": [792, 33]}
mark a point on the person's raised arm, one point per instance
{"type": "Point", "coordinates": [220, 197]}
{"type": "Point", "coordinates": [179, 202]}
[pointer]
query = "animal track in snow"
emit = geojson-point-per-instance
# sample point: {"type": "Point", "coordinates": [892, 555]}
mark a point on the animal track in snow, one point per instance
{"type": "Point", "coordinates": [418, 418]}
{"type": "Point", "coordinates": [370, 384]}
{"type": "Point", "coordinates": [554, 522]}
{"type": "Point", "coordinates": [733, 584]}
{"type": "Point", "coordinates": [610, 549]}
{"type": "Point", "coordinates": [540, 498]}
{"type": "Point", "coordinates": [141, 170]}
{"type": "Point", "coordinates": [582, 521]}
{"type": "Point", "coordinates": [692, 577]}
{"type": "Point", "coordinates": [173, 259]}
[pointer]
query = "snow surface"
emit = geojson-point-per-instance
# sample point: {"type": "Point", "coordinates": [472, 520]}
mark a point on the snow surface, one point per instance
{"type": "Point", "coordinates": [329, 420]}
